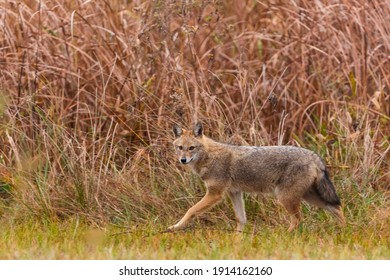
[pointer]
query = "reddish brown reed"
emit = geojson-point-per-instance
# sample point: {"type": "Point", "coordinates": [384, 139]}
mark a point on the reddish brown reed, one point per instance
{"type": "Point", "coordinates": [92, 88]}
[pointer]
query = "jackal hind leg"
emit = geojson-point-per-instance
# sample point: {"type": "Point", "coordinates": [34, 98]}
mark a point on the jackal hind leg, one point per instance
{"type": "Point", "coordinates": [292, 205]}
{"type": "Point", "coordinates": [239, 208]}
{"type": "Point", "coordinates": [209, 200]}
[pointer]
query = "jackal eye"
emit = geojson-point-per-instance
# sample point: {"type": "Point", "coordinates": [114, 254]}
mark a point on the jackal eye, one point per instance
{"type": "Point", "coordinates": [180, 148]}
{"type": "Point", "coordinates": [191, 148]}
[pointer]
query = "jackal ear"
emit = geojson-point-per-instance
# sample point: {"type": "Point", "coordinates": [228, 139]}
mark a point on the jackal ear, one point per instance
{"type": "Point", "coordinates": [177, 131]}
{"type": "Point", "coordinates": [198, 129]}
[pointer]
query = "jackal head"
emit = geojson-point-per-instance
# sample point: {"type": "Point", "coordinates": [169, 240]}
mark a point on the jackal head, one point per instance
{"type": "Point", "coordinates": [188, 143]}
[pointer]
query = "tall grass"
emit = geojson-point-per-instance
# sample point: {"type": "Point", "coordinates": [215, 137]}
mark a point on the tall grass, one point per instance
{"type": "Point", "coordinates": [90, 90]}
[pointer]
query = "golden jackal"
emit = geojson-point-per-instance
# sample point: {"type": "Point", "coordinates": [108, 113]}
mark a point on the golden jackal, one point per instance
{"type": "Point", "coordinates": [291, 173]}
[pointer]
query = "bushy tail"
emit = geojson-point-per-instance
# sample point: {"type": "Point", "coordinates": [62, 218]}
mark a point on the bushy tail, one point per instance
{"type": "Point", "coordinates": [325, 189]}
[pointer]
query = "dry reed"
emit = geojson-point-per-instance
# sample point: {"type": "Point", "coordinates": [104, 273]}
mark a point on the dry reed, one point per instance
{"type": "Point", "coordinates": [90, 90]}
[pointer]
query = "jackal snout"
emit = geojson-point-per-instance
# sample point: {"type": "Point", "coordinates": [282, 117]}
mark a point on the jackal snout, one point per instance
{"type": "Point", "coordinates": [186, 154]}
{"type": "Point", "coordinates": [185, 160]}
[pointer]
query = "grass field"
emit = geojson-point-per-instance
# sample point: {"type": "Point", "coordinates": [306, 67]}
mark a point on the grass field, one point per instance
{"type": "Point", "coordinates": [90, 90]}
{"type": "Point", "coordinates": [366, 236]}
{"type": "Point", "coordinates": [72, 240]}
{"type": "Point", "coordinates": [76, 240]}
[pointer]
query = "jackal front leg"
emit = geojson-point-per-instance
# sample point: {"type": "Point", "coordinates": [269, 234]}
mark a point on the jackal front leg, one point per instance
{"type": "Point", "coordinates": [209, 200]}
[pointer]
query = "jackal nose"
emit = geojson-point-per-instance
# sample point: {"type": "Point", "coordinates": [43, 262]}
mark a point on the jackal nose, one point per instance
{"type": "Point", "coordinates": [183, 160]}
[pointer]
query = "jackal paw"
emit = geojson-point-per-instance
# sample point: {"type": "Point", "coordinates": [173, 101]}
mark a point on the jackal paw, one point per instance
{"type": "Point", "coordinates": [175, 227]}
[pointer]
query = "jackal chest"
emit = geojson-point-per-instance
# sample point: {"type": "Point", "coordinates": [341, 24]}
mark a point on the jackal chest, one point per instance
{"type": "Point", "coordinates": [213, 173]}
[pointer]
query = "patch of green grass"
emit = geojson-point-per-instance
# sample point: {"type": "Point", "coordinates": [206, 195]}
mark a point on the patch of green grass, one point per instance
{"type": "Point", "coordinates": [366, 236]}
{"type": "Point", "coordinates": [71, 241]}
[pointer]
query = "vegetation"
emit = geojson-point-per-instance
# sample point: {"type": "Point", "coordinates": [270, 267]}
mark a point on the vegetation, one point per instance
{"type": "Point", "coordinates": [89, 91]}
